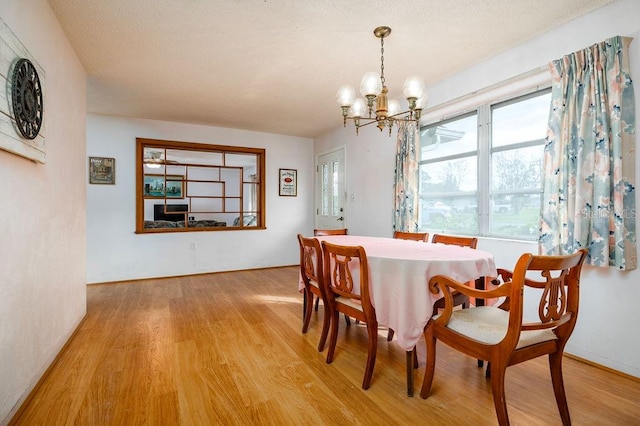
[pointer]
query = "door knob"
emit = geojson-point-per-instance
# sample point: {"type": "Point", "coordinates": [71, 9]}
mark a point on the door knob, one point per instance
{"type": "Point", "coordinates": [340, 218]}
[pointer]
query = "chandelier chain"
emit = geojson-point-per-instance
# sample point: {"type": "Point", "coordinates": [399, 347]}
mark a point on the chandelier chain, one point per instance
{"type": "Point", "coordinates": [382, 60]}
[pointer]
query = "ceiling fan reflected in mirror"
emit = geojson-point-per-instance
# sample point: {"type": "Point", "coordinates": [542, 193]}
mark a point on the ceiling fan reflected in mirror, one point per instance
{"type": "Point", "coordinates": [155, 159]}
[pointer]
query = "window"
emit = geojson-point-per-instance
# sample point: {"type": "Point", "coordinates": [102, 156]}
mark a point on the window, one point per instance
{"type": "Point", "coordinates": [480, 173]}
{"type": "Point", "coordinates": [184, 186]}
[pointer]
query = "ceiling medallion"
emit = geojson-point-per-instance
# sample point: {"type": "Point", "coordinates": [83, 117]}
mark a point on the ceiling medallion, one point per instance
{"type": "Point", "coordinates": [373, 88]}
{"type": "Point", "coordinates": [27, 98]}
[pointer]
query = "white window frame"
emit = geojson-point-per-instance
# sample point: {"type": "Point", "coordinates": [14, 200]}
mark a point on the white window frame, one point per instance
{"type": "Point", "coordinates": [481, 103]}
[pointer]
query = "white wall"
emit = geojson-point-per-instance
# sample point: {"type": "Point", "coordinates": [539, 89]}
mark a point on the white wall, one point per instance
{"type": "Point", "coordinates": [42, 216]}
{"type": "Point", "coordinates": [115, 252]}
{"type": "Point", "coordinates": [609, 311]}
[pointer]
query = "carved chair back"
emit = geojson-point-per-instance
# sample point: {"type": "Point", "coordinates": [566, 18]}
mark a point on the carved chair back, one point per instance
{"type": "Point", "coordinates": [455, 240]}
{"type": "Point", "coordinates": [417, 236]}
{"type": "Point", "coordinates": [321, 232]}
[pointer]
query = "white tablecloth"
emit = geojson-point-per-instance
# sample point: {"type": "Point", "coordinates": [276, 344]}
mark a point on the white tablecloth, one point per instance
{"type": "Point", "coordinates": [399, 272]}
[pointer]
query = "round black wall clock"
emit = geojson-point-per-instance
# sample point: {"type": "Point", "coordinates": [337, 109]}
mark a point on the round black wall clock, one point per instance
{"type": "Point", "coordinates": [27, 98]}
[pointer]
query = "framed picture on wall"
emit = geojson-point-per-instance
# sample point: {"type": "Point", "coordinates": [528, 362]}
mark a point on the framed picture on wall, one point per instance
{"type": "Point", "coordinates": [102, 170]}
{"type": "Point", "coordinates": [289, 182]}
{"type": "Point", "coordinates": [156, 186]}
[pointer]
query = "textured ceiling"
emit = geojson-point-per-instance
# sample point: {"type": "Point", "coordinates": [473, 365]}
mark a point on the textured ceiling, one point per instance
{"type": "Point", "coordinates": [275, 65]}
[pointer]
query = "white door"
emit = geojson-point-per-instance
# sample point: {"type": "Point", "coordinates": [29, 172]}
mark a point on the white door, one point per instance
{"type": "Point", "coordinates": [331, 190]}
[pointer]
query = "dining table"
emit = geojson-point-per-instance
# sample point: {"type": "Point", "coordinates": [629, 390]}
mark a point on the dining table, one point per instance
{"type": "Point", "coordinates": [399, 273]}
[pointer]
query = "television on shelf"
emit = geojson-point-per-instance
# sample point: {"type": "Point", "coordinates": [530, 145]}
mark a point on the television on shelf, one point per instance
{"type": "Point", "coordinates": [172, 213]}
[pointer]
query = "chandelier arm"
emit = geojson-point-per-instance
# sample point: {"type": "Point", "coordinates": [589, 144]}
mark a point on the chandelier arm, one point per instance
{"type": "Point", "coordinates": [365, 119]}
{"type": "Point", "coordinates": [367, 122]}
{"type": "Point", "coordinates": [408, 118]}
{"type": "Point", "coordinates": [394, 117]}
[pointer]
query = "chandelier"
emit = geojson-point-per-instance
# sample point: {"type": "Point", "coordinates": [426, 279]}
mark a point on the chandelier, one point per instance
{"type": "Point", "coordinates": [372, 87]}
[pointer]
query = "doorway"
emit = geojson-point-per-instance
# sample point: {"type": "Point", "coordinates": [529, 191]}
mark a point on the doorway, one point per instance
{"type": "Point", "coordinates": [331, 190]}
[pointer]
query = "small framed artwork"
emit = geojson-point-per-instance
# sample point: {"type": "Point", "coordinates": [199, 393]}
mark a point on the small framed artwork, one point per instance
{"type": "Point", "coordinates": [161, 186]}
{"type": "Point", "coordinates": [102, 170]}
{"type": "Point", "coordinates": [289, 182]}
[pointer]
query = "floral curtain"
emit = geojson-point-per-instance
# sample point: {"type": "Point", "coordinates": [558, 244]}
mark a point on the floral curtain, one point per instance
{"type": "Point", "coordinates": [405, 204]}
{"type": "Point", "coordinates": [589, 159]}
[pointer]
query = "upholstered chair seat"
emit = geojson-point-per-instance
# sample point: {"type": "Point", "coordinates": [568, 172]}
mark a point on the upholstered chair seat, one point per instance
{"type": "Point", "coordinates": [489, 325]}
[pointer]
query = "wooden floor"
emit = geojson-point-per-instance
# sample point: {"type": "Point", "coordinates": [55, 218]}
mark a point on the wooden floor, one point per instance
{"type": "Point", "coordinates": [227, 349]}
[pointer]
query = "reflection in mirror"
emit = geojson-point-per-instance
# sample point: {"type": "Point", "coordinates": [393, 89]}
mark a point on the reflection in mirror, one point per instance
{"type": "Point", "coordinates": [198, 187]}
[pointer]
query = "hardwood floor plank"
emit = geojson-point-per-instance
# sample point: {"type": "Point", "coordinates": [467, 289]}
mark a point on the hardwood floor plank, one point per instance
{"type": "Point", "coordinates": [227, 348]}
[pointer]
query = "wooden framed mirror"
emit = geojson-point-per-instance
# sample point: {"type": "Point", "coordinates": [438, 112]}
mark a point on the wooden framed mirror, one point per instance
{"type": "Point", "coordinates": [184, 186]}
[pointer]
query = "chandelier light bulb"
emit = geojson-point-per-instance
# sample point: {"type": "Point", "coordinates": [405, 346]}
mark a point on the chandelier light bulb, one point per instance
{"type": "Point", "coordinates": [345, 95]}
{"type": "Point", "coordinates": [371, 85]}
{"type": "Point", "coordinates": [413, 87]}
{"type": "Point", "coordinates": [358, 108]}
{"type": "Point", "coordinates": [393, 107]}
{"type": "Point", "coordinates": [422, 101]}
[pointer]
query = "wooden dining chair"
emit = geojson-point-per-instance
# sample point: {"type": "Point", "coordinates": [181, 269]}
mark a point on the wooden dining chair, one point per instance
{"type": "Point", "coordinates": [311, 271]}
{"type": "Point", "coordinates": [499, 335]}
{"type": "Point", "coordinates": [321, 232]}
{"type": "Point", "coordinates": [416, 236]}
{"type": "Point", "coordinates": [459, 299]}
{"type": "Point", "coordinates": [344, 296]}
{"type": "Point", "coordinates": [324, 232]}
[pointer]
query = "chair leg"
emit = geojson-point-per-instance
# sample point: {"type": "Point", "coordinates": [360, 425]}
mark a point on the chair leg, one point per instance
{"type": "Point", "coordinates": [326, 324]}
{"type": "Point", "coordinates": [335, 317]}
{"type": "Point", "coordinates": [372, 331]}
{"type": "Point", "coordinates": [555, 365]}
{"type": "Point", "coordinates": [317, 303]}
{"type": "Point", "coordinates": [347, 320]}
{"type": "Point", "coordinates": [390, 334]}
{"type": "Point", "coordinates": [479, 285]}
{"type": "Point", "coordinates": [411, 365]}
{"type": "Point", "coordinates": [431, 365]}
{"type": "Point", "coordinates": [487, 373]}
{"type": "Point", "coordinates": [304, 302]}
{"type": "Point", "coordinates": [308, 304]}
{"type": "Point", "coordinates": [497, 386]}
